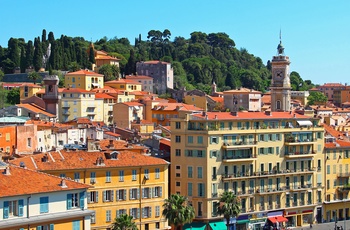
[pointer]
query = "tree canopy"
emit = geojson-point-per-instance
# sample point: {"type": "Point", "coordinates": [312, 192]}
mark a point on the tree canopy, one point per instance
{"type": "Point", "coordinates": [229, 206]}
{"type": "Point", "coordinates": [317, 98]}
{"type": "Point", "coordinates": [124, 222]}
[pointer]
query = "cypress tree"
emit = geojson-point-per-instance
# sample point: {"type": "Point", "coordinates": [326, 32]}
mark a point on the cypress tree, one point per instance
{"type": "Point", "coordinates": [38, 55]}
{"type": "Point", "coordinates": [14, 51]}
{"type": "Point", "coordinates": [91, 55]}
{"type": "Point", "coordinates": [29, 54]}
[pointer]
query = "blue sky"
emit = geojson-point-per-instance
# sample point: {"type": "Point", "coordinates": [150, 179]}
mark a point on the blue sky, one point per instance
{"type": "Point", "coordinates": [316, 34]}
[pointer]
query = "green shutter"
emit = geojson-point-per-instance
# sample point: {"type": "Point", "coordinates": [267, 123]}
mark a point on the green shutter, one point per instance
{"type": "Point", "coordinates": [81, 200]}
{"type": "Point", "coordinates": [69, 201]}
{"type": "Point", "coordinates": [6, 209]}
{"type": "Point", "coordinates": [52, 227]}
{"type": "Point", "coordinates": [20, 208]}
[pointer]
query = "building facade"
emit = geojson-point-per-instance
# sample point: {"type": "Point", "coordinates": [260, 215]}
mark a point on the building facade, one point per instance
{"type": "Point", "coordinates": [272, 161]}
{"type": "Point", "coordinates": [83, 79]}
{"type": "Point", "coordinates": [247, 99]}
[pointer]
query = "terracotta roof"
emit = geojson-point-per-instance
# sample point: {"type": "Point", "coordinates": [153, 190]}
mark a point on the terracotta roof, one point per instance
{"type": "Point", "coordinates": [250, 115]}
{"type": "Point", "coordinates": [337, 144]}
{"type": "Point", "coordinates": [84, 72]}
{"type": "Point", "coordinates": [75, 90]}
{"type": "Point", "coordinates": [155, 62]}
{"type": "Point", "coordinates": [106, 58]}
{"type": "Point", "coordinates": [42, 91]}
{"type": "Point", "coordinates": [165, 142]}
{"type": "Point", "coordinates": [131, 103]}
{"type": "Point", "coordinates": [23, 181]}
{"type": "Point", "coordinates": [331, 85]}
{"type": "Point", "coordinates": [266, 99]}
{"type": "Point", "coordinates": [36, 109]}
{"type": "Point", "coordinates": [105, 89]}
{"type": "Point", "coordinates": [123, 81]}
{"type": "Point", "coordinates": [137, 77]}
{"type": "Point", "coordinates": [217, 99]}
{"type": "Point", "coordinates": [46, 124]}
{"type": "Point", "coordinates": [11, 84]}
{"type": "Point", "coordinates": [112, 134]}
{"type": "Point", "coordinates": [31, 85]}
{"type": "Point", "coordinates": [174, 106]}
{"type": "Point", "coordinates": [103, 95]}
{"type": "Point", "coordinates": [241, 90]}
{"type": "Point", "coordinates": [64, 160]}
{"type": "Point", "coordinates": [332, 131]}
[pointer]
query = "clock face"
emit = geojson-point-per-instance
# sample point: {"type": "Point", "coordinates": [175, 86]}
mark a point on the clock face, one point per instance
{"type": "Point", "coordinates": [279, 74]}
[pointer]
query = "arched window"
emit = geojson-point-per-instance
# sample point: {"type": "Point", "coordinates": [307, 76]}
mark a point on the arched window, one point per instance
{"type": "Point", "coordinates": [278, 105]}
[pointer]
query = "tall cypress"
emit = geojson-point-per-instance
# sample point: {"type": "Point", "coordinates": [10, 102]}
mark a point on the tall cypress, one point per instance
{"type": "Point", "coordinates": [38, 55]}
{"type": "Point", "coordinates": [14, 51]}
{"type": "Point", "coordinates": [29, 54]}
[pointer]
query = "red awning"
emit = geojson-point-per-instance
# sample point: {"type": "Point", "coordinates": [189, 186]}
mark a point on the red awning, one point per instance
{"type": "Point", "coordinates": [279, 219]}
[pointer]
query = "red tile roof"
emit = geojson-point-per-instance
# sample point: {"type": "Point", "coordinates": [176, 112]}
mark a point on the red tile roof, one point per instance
{"type": "Point", "coordinates": [106, 58]}
{"type": "Point", "coordinates": [36, 109]}
{"type": "Point", "coordinates": [332, 131]}
{"type": "Point", "coordinates": [84, 72]}
{"type": "Point", "coordinates": [155, 62]}
{"type": "Point", "coordinates": [123, 81]}
{"type": "Point", "coordinates": [64, 160]}
{"type": "Point", "coordinates": [131, 103]}
{"type": "Point", "coordinates": [76, 90]}
{"type": "Point", "coordinates": [165, 142]}
{"type": "Point", "coordinates": [23, 181]}
{"type": "Point", "coordinates": [46, 124]}
{"type": "Point", "coordinates": [103, 95]}
{"type": "Point", "coordinates": [175, 106]}
{"type": "Point", "coordinates": [112, 134]}
{"type": "Point", "coordinates": [217, 99]}
{"type": "Point", "coordinates": [31, 85]}
{"type": "Point", "coordinates": [241, 90]}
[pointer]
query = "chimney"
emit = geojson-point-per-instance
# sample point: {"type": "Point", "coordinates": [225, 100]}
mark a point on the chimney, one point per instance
{"type": "Point", "coordinates": [295, 116]}
{"type": "Point", "coordinates": [111, 145]}
{"type": "Point", "coordinates": [7, 171]}
{"type": "Point", "coordinates": [63, 183]}
{"type": "Point", "coordinates": [216, 117]}
{"type": "Point", "coordinates": [268, 113]}
{"type": "Point", "coordinates": [234, 113]}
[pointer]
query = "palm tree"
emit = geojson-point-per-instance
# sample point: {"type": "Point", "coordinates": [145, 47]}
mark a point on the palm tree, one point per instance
{"type": "Point", "coordinates": [33, 76]}
{"type": "Point", "coordinates": [177, 211]}
{"type": "Point", "coordinates": [229, 206]}
{"type": "Point", "coordinates": [124, 222]}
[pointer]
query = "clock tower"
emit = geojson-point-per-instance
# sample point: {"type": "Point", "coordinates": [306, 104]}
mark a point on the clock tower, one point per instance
{"type": "Point", "coordinates": [280, 82]}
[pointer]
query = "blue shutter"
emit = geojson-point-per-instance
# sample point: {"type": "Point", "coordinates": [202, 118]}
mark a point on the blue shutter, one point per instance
{"type": "Point", "coordinates": [44, 204]}
{"type": "Point", "coordinates": [69, 201]}
{"type": "Point", "coordinates": [20, 208]}
{"type": "Point", "coordinates": [6, 209]}
{"type": "Point", "coordinates": [52, 226]}
{"type": "Point", "coordinates": [81, 199]}
{"type": "Point", "coordinates": [104, 196]}
{"type": "Point", "coordinates": [38, 228]}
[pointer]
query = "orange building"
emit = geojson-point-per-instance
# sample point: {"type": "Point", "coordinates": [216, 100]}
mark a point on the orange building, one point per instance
{"type": "Point", "coordinates": [7, 138]}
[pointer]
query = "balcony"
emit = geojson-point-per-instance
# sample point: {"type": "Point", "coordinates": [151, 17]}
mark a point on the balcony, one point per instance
{"type": "Point", "coordinates": [269, 207]}
{"type": "Point", "coordinates": [65, 106]}
{"type": "Point", "coordinates": [291, 140]}
{"type": "Point", "coordinates": [90, 106]}
{"type": "Point", "coordinates": [239, 157]}
{"type": "Point", "coordinates": [239, 144]}
{"type": "Point", "coordinates": [287, 205]}
{"type": "Point", "coordinates": [344, 188]}
{"type": "Point", "coordinates": [262, 207]}
{"type": "Point", "coordinates": [299, 154]}
{"type": "Point", "coordinates": [67, 113]}
{"type": "Point", "coordinates": [243, 210]}
{"type": "Point", "coordinates": [277, 206]}
{"type": "Point", "coordinates": [343, 174]}
{"type": "Point", "coordinates": [302, 203]}
{"type": "Point", "coordinates": [301, 187]}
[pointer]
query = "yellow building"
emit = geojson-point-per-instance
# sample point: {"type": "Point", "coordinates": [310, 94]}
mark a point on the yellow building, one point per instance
{"type": "Point", "coordinates": [108, 102]}
{"type": "Point", "coordinates": [77, 102]}
{"type": "Point", "coordinates": [83, 79]}
{"type": "Point", "coordinates": [123, 182]}
{"type": "Point", "coordinates": [36, 201]}
{"type": "Point", "coordinates": [198, 100]}
{"type": "Point", "coordinates": [125, 84]}
{"type": "Point", "coordinates": [337, 158]}
{"type": "Point", "coordinates": [273, 161]}
{"type": "Point", "coordinates": [26, 90]}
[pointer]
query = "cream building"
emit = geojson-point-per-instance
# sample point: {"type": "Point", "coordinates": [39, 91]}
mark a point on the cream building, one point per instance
{"type": "Point", "coordinates": [273, 161]}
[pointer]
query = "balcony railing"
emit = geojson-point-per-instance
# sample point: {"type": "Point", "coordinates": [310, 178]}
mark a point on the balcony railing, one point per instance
{"type": "Point", "coordinates": [277, 206]}
{"type": "Point", "coordinates": [291, 140]}
{"type": "Point", "coordinates": [65, 106]}
{"type": "Point", "coordinates": [240, 157]}
{"type": "Point", "coordinates": [299, 154]}
{"type": "Point", "coordinates": [287, 205]}
{"type": "Point", "coordinates": [345, 187]}
{"type": "Point", "coordinates": [239, 143]}
{"type": "Point", "coordinates": [262, 207]}
{"type": "Point", "coordinates": [346, 174]}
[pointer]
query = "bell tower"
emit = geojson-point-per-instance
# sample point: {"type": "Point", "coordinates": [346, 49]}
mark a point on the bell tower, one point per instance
{"type": "Point", "coordinates": [51, 96]}
{"type": "Point", "coordinates": [280, 82]}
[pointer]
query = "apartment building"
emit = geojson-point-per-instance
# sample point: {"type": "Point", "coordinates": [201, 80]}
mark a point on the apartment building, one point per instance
{"type": "Point", "coordinates": [83, 79]}
{"type": "Point", "coordinates": [337, 161]}
{"type": "Point", "coordinates": [272, 161]}
{"type": "Point", "coordinates": [31, 200]}
{"type": "Point", "coordinates": [122, 182]}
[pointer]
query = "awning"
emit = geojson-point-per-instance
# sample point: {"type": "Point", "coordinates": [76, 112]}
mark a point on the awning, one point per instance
{"type": "Point", "coordinates": [304, 123]}
{"type": "Point", "coordinates": [278, 219]}
{"type": "Point", "coordinates": [218, 225]}
{"type": "Point", "coordinates": [242, 221]}
{"type": "Point", "coordinates": [195, 226]}
{"type": "Point", "coordinates": [95, 84]}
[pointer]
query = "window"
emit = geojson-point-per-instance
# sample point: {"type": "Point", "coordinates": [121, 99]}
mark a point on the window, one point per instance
{"type": "Point", "coordinates": [190, 139]}
{"type": "Point", "coordinates": [108, 195]}
{"type": "Point", "coordinates": [177, 139]}
{"type": "Point", "coordinates": [108, 216]}
{"type": "Point", "coordinates": [200, 140]}
{"type": "Point", "coordinates": [134, 194]}
{"type": "Point", "coordinates": [92, 197]}
{"type": "Point", "coordinates": [134, 174]}
{"type": "Point", "coordinates": [157, 191]}
{"type": "Point", "coordinates": [178, 152]}
{"type": "Point", "coordinates": [199, 172]}
{"type": "Point", "coordinates": [157, 171]}
{"type": "Point", "coordinates": [189, 189]}
{"type": "Point", "coordinates": [214, 140]}
{"type": "Point", "coordinates": [121, 212]}
{"type": "Point", "coordinates": [45, 227]}
{"type": "Point", "coordinates": [200, 189]}
{"type": "Point", "coordinates": [328, 169]}
{"type": "Point", "coordinates": [199, 153]}
{"type": "Point", "coordinates": [108, 176]}
{"type": "Point", "coordinates": [189, 171]}
{"type": "Point", "coordinates": [213, 153]}
{"type": "Point", "coordinates": [121, 175]}
{"type": "Point", "coordinates": [62, 175]}
{"type": "Point", "coordinates": [146, 193]}
{"type": "Point", "coordinates": [178, 184]}
{"type": "Point", "coordinates": [146, 212]}
{"type": "Point", "coordinates": [77, 177]}
{"type": "Point", "coordinates": [75, 200]}
{"type": "Point", "coordinates": [121, 194]}
{"type": "Point", "coordinates": [44, 204]}
{"type": "Point", "coordinates": [146, 172]}
{"type": "Point", "coordinates": [29, 142]}
{"type": "Point", "coordinates": [177, 125]}
{"type": "Point", "coordinates": [13, 208]}
{"type": "Point", "coordinates": [93, 218]}
{"type": "Point", "coordinates": [157, 211]}
{"type": "Point", "coordinates": [92, 177]}
{"type": "Point", "coordinates": [135, 212]}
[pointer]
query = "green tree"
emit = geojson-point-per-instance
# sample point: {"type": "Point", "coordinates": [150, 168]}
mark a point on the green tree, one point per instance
{"type": "Point", "coordinates": [73, 66]}
{"type": "Point", "coordinates": [91, 55]}
{"type": "Point", "coordinates": [317, 98]}
{"type": "Point", "coordinates": [33, 76]}
{"type": "Point", "coordinates": [229, 206]}
{"type": "Point", "coordinates": [124, 222]}
{"type": "Point", "coordinates": [14, 51]}
{"type": "Point", "coordinates": [13, 96]}
{"type": "Point", "coordinates": [1, 75]}
{"type": "Point", "coordinates": [110, 72]}
{"type": "Point", "coordinates": [130, 67]}
{"type": "Point", "coordinates": [177, 211]}
{"type": "Point", "coordinates": [8, 66]}
{"type": "Point", "coordinates": [3, 97]}
{"type": "Point", "coordinates": [38, 55]}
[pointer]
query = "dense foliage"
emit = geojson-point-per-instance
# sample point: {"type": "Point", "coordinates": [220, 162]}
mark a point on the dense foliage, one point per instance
{"type": "Point", "coordinates": [197, 61]}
